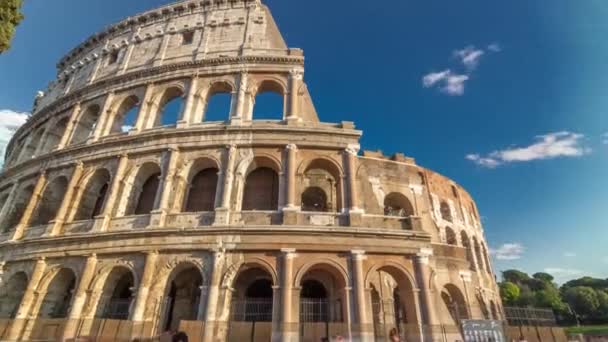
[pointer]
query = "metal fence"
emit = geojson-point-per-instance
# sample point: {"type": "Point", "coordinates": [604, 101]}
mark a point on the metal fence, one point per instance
{"type": "Point", "coordinates": [118, 309]}
{"type": "Point", "coordinates": [252, 310]}
{"type": "Point", "coordinates": [516, 316]}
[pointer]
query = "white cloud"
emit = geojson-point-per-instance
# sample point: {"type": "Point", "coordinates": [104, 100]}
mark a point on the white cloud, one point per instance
{"type": "Point", "coordinates": [469, 56]}
{"type": "Point", "coordinates": [570, 254]}
{"type": "Point", "coordinates": [10, 121]}
{"type": "Point", "coordinates": [509, 251]}
{"type": "Point", "coordinates": [126, 128]}
{"type": "Point", "coordinates": [548, 146]}
{"type": "Point", "coordinates": [605, 138]}
{"type": "Point", "coordinates": [494, 47]}
{"type": "Point", "coordinates": [447, 82]}
{"type": "Point", "coordinates": [559, 272]}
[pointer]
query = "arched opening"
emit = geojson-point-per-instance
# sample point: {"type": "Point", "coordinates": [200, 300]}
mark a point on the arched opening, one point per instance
{"type": "Point", "coordinates": [145, 189]}
{"type": "Point", "coordinates": [393, 302]}
{"type": "Point", "coordinates": [219, 101]}
{"type": "Point", "coordinates": [86, 124]}
{"type": "Point", "coordinates": [11, 293]}
{"type": "Point", "coordinates": [446, 212]}
{"type": "Point", "coordinates": [125, 117]}
{"type": "Point", "coordinates": [483, 307]}
{"type": "Point", "coordinates": [314, 199]}
{"type": "Point", "coordinates": [486, 258]}
{"type": "Point", "coordinates": [94, 196]}
{"type": "Point", "coordinates": [396, 204]}
{"type": "Point", "coordinates": [494, 310]}
{"type": "Point", "coordinates": [455, 303]}
{"type": "Point", "coordinates": [58, 297]}
{"type": "Point", "coordinates": [182, 301]}
{"type": "Point", "coordinates": [252, 299]}
{"type": "Point", "coordinates": [479, 257]}
{"type": "Point", "coordinates": [171, 105]}
{"type": "Point", "coordinates": [32, 145]}
{"type": "Point", "coordinates": [54, 135]}
{"type": "Point", "coordinates": [450, 237]}
{"type": "Point", "coordinates": [20, 203]}
{"type": "Point", "coordinates": [322, 187]}
{"type": "Point", "coordinates": [322, 295]}
{"type": "Point", "coordinates": [50, 202]}
{"type": "Point", "coordinates": [261, 190]}
{"type": "Point", "coordinates": [202, 190]}
{"type": "Point", "coordinates": [117, 295]}
{"type": "Point", "coordinates": [466, 243]}
{"type": "Point", "coordinates": [269, 101]}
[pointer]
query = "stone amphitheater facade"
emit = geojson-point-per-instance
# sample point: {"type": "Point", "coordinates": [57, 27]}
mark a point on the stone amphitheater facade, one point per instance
{"type": "Point", "coordinates": [276, 224]}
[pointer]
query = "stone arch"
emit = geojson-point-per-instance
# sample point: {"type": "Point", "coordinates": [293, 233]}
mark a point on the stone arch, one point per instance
{"type": "Point", "coordinates": [446, 211]}
{"type": "Point", "coordinates": [31, 145]}
{"type": "Point", "coordinates": [267, 92]}
{"type": "Point", "coordinates": [323, 284]}
{"type": "Point", "coordinates": [145, 188]}
{"type": "Point", "coordinates": [57, 286]}
{"type": "Point", "coordinates": [261, 184]}
{"type": "Point", "coordinates": [11, 293]}
{"type": "Point", "coordinates": [455, 303]}
{"type": "Point", "coordinates": [212, 96]}
{"type": "Point", "coordinates": [125, 113]}
{"type": "Point", "coordinates": [450, 237]}
{"type": "Point", "coordinates": [231, 273]}
{"type": "Point", "coordinates": [486, 258]}
{"type": "Point", "coordinates": [86, 123]}
{"type": "Point", "coordinates": [50, 202]}
{"type": "Point", "coordinates": [252, 293]}
{"type": "Point", "coordinates": [201, 191]}
{"type": "Point", "coordinates": [494, 310]}
{"type": "Point", "coordinates": [114, 285]}
{"type": "Point", "coordinates": [94, 193]}
{"type": "Point", "coordinates": [169, 104]}
{"type": "Point", "coordinates": [466, 243]}
{"type": "Point", "coordinates": [18, 207]}
{"type": "Point", "coordinates": [182, 292]}
{"type": "Point", "coordinates": [54, 134]}
{"type": "Point", "coordinates": [397, 204]}
{"type": "Point", "coordinates": [322, 174]}
{"type": "Point", "coordinates": [477, 248]}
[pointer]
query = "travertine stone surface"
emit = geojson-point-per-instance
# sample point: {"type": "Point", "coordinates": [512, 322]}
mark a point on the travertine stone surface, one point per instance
{"type": "Point", "coordinates": [156, 222]}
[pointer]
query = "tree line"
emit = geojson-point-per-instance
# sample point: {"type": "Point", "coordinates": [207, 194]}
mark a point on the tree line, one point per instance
{"type": "Point", "coordinates": [584, 300]}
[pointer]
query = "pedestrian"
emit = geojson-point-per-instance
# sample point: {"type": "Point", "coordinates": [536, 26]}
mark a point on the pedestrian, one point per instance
{"type": "Point", "coordinates": [180, 337]}
{"type": "Point", "coordinates": [394, 335]}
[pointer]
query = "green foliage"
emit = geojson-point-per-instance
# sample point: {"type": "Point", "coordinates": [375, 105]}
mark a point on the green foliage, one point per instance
{"type": "Point", "coordinates": [515, 276]}
{"type": "Point", "coordinates": [545, 277]}
{"type": "Point", "coordinates": [594, 283]}
{"type": "Point", "coordinates": [583, 300]}
{"type": "Point", "coordinates": [10, 17]}
{"type": "Point", "coordinates": [509, 292]}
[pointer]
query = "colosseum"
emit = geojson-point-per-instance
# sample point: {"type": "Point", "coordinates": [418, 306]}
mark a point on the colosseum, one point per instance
{"type": "Point", "coordinates": [119, 222]}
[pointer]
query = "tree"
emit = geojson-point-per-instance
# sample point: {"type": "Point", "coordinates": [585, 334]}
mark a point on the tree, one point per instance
{"type": "Point", "coordinates": [10, 17]}
{"type": "Point", "coordinates": [509, 292]}
{"type": "Point", "coordinates": [515, 276]}
{"type": "Point", "coordinates": [545, 277]}
{"type": "Point", "coordinates": [583, 300]}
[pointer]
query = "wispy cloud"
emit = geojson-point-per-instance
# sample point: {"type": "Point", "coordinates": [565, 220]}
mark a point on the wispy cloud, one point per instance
{"type": "Point", "coordinates": [452, 82]}
{"type": "Point", "coordinates": [469, 56]}
{"type": "Point", "coordinates": [569, 254]}
{"type": "Point", "coordinates": [548, 146]}
{"type": "Point", "coordinates": [605, 138]}
{"type": "Point", "coordinates": [509, 251]}
{"type": "Point", "coordinates": [10, 121]}
{"type": "Point", "coordinates": [447, 81]}
{"type": "Point", "coordinates": [563, 272]}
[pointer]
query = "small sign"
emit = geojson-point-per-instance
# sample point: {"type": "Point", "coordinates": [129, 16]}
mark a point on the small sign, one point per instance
{"type": "Point", "coordinates": [483, 331]}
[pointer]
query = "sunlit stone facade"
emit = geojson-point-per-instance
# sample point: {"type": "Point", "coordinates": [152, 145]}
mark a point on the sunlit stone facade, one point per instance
{"type": "Point", "coordinates": [278, 222]}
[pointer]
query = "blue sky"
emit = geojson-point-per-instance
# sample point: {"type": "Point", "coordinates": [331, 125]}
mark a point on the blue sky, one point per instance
{"type": "Point", "coordinates": [514, 106]}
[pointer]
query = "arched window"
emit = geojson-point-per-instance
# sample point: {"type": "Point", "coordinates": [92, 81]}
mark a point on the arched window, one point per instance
{"type": "Point", "coordinates": [170, 105]}
{"type": "Point", "coordinates": [486, 258]}
{"type": "Point", "coordinates": [455, 303]}
{"type": "Point", "coordinates": [11, 294]}
{"type": "Point", "coordinates": [125, 118]}
{"type": "Point", "coordinates": [396, 204]}
{"type": "Point", "coordinates": [58, 297]}
{"type": "Point", "coordinates": [269, 101]}
{"type": "Point", "coordinates": [94, 196]}
{"type": "Point", "coordinates": [116, 295]}
{"type": "Point", "coordinates": [19, 205]}
{"type": "Point", "coordinates": [314, 199]}
{"type": "Point", "coordinates": [50, 202]}
{"type": "Point", "coordinates": [32, 145]}
{"type": "Point", "coordinates": [480, 260]}
{"type": "Point", "coordinates": [219, 101]}
{"type": "Point", "coordinates": [54, 136]}
{"type": "Point", "coordinates": [253, 296]}
{"type": "Point", "coordinates": [201, 195]}
{"type": "Point", "coordinates": [466, 243]}
{"type": "Point", "coordinates": [446, 212]}
{"type": "Point", "coordinates": [450, 237]}
{"type": "Point", "coordinates": [86, 124]}
{"type": "Point", "coordinates": [144, 190]}
{"type": "Point", "coordinates": [183, 298]}
{"type": "Point", "coordinates": [314, 303]}
{"type": "Point", "coordinates": [261, 190]}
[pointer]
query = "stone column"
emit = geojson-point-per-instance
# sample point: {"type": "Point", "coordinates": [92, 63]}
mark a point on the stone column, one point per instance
{"type": "Point", "coordinates": [72, 189]}
{"type": "Point", "coordinates": [238, 115]}
{"type": "Point", "coordinates": [106, 119]}
{"type": "Point", "coordinates": [423, 274]}
{"type": "Point", "coordinates": [114, 191]}
{"type": "Point", "coordinates": [290, 210]}
{"type": "Point", "coordinates": [147, 105]}
{"type": "Point", "coordinates": [69, 130]}
{"type": "Point", "coordinates": [364, 330]}
{"type": "Point", "coordinates": [27, 301]}
{"type": "Point", "coordinates": [32, 205]}
{"type": "Point", "coordinates": [165, 188]}
{"type": "Point", "coordinates": [80, 297]}
{"type": "Point", "coordinates": [160, 55]}
{"type": "Point", "coordinates": [355, 211]}
{"type": "Point", "coordinates": [295, 80]}
{"type": "Point", "coordinates": [214, 292]}
{"type": "Point", "coordinates": [222, 214]}
{"type": "Point", "coordinates": [289, 325]}
{"type": "Point", "coordinates": [43, 138]}
{"type": "Point", "coordinates": [466, 279]}
{"type": "Point", "coordinates": [144, 286]}
{"type": "Point", "coordinates": [202, 302]}
{"type": "Point", "coordinates": [190, 105]}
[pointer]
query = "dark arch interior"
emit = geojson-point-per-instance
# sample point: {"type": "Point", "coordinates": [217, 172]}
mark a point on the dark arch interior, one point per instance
{"type": "Point", "coordinates": [313, 289]}
{"type": "Point", "coordinates": [253, 298]}
{"type": "Point", "coordinates": [201, 195]}
{"type": "Point", "coordinates": [260, 288]}
{"type": "Point", "coordinates": [147, 196]}
{"type": "Point", "coordinates": [314, 199]}
{"type": "Point", "coordinates": [261, 190]}
{"type": "Point", "coordinates": [118, 288]}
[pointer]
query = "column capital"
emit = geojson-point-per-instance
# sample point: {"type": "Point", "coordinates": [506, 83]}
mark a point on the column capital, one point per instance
{"type": "Point", "coordinates": [292, 147]}
{"type": "Point", "coordinates": [358, 254]}
{"type": "Point", "coordinates": [465, 276]}
{"type": "Point", "coordinates": [352, 149]}
{"type": "Point", "coordinates": [296, 74]}
{"type": "Point", "coordinates": [231, 147]}
{"type": "Point", "coordinates": [289, 252]}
